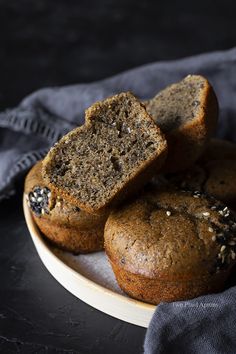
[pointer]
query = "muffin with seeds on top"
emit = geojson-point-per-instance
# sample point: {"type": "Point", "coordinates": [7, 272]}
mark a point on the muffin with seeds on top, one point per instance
{"type": "Point", "coordinates": [65, 225]}
{"type": "Point", "coordinates": [171, 245]}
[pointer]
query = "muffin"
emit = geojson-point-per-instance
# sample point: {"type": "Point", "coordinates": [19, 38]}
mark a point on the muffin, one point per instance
{"type": "Point", "coordinates": [214, 173]}
{"type": "Point", "coordinates": [187, 113]}
{"type": "Point", "coordinates": [171, 245]}
{"type": "Point", "coordinates": [113, 154]}
{"type": "Point", "coordinates": [219, 149]}
{"type": "Point", "coordinates": [65, 225]}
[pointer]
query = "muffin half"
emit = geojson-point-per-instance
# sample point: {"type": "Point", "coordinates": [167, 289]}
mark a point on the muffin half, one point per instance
{"type": "Point", "coordinates": [187, 113]}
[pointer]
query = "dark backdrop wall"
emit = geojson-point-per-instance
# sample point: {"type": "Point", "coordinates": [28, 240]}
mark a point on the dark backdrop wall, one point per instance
{"type": "Point", "coordinates": [48, 42]}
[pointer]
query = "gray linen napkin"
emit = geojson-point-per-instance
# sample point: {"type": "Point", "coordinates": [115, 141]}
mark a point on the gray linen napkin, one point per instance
{"type": "Point", "coordinates": [27, 132]}
{"type": "Point", "coordinates": [204, 325]}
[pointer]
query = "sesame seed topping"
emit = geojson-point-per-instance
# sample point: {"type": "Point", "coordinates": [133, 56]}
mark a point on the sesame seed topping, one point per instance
{"type": "Point", "coordinates": [222, 248]}
{"type": "Point", "coordinates": [38, 200]}
{"type": "Point", "coordinates": [206, 213]}
{"type": "Point", "coordinates": [59, 204]}
{"type": "Point", "coordinates": [210, 229]}
{"type": "Point", "coordinates": [231, 243]}
{"type": "Point", "coordinates": [225, 212]}
{"type": "Point", "coordinates": [129, 130]}
{"type": "Point", "coordinates": [220, 234]}
{"type": "Point", "coordinates": [233, 254]}
{"type": "Point", "coordinates": [168, 213]}
{"type": "Point", "coordinates": [213, 238]}
{"type": "Point", "coordinates": [196, 194]}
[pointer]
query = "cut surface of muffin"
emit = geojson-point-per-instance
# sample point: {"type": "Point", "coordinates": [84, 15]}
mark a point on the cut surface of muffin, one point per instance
{"type": "Point", "coordinates": [116, 151]}
{"type": "Point", "coordinates": [187, 112]}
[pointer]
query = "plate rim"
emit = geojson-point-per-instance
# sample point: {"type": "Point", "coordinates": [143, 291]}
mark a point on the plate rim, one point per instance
{"type": "Point", "coordinates": [36, 237]}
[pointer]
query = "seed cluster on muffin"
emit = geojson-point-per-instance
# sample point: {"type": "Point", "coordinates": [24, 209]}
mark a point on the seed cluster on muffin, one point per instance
{"type": "Point", "coordinates": [65, 225]}
{"type": "Point", "coordinates": [38, 200]}
{"type": "Point", "coordinates": [144, 180]}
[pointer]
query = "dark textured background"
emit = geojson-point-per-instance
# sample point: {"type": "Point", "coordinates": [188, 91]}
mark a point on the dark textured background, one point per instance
{"type": "Point", "coordinates": [45, 43]}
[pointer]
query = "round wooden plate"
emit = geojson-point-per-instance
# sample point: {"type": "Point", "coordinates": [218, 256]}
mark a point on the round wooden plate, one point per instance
{"type": "Point", "coordinates": [90, 278]}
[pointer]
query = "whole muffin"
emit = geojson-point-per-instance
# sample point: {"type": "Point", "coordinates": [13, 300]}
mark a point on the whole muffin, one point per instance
{"type": "Point", "coordinates": [214, 173]}
{"type": "Point", "coordinates": [171, 245]}
{"type": "Point", "coordinates": [65, 225]}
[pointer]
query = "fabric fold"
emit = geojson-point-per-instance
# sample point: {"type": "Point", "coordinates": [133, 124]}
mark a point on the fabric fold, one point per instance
{"type": "Point", "coordinates": [47, 114]}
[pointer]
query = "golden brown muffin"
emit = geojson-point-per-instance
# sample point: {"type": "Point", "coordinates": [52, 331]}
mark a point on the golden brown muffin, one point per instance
{"type": "Point", "coordinates": [187, 113]}
{"type": "Point", "coordinates": [113, 154]}
{"type": "Point", "coordinates": [63, 224]}
{"type": "Point", "coordinates": [170, 245]}
{"type": "Point", "coordinates": [214, 173]}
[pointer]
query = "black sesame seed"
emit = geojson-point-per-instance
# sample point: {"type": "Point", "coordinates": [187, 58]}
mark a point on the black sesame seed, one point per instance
{"type": "Point", "coordinates": [122, 260]}
{"type": "Point", "coordinates": [221, 239]}
{"type": "Point", "coordinates": [38, 200]}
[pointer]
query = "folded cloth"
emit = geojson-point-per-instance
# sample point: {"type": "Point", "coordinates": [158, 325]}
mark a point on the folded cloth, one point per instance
{"type": "Point", "coordinates": [27, 131]}
{"type": "Point", "coordinates": [203, 325]}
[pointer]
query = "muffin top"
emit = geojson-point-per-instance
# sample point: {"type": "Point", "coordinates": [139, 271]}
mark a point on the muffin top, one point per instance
{"type": "Point", "coordinates": [172, 235]}
{"type": "Point", "coordinates": [45, 203]}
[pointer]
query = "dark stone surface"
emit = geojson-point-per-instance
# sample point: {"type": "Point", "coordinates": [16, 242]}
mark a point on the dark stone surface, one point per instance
{"type": "Point", "coordinates": [46, 43]}
{"type": "Point", "coordinates": [37, 315]}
